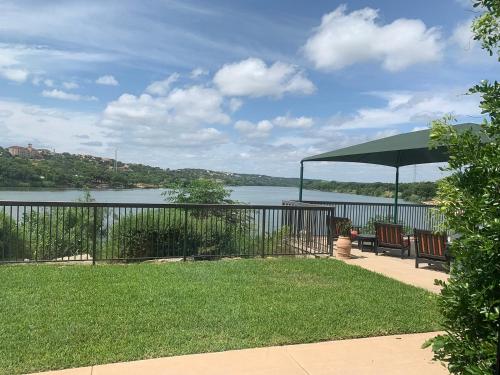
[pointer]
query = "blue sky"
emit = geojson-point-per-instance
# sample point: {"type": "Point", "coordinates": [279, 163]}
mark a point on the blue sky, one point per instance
{"type": "Point", "coordinates": [242, 86]}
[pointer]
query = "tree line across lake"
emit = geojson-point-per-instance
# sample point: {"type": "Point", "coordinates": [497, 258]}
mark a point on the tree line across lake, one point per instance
{"type": "Point", "coordinates": [66, 170]}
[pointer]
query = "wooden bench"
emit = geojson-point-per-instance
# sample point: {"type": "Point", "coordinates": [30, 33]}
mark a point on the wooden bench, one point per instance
{"type": "Point", "coordinates": [391, 236]}
{"type": "Point", "coordinates": [430, 247]}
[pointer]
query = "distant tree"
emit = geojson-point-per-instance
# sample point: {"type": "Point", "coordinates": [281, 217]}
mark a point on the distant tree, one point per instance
{"type": "Point", "coordinates": [202, 191]}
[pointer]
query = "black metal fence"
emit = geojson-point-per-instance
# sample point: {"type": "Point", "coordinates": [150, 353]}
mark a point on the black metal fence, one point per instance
{"type": "Point", "coordinates": [364, 215]}
{"type": "Point", "coordinates": [63, 231]}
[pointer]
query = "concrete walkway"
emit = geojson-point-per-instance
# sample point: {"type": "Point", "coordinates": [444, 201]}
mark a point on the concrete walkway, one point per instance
{"type": "Point", "coordinates": [391, 265]}
{"type": "Point", "coordinates": [388, 355]}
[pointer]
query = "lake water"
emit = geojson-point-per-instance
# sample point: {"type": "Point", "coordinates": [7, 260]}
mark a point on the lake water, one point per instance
{"type": "Point", "coordinates": [272, 195]}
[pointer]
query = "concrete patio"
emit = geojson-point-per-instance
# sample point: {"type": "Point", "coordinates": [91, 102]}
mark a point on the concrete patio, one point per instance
{"type": "Point", "coordinates": [391, 265]}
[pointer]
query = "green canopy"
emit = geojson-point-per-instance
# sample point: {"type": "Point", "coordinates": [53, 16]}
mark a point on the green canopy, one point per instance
{"type": "Point", "coordinates": [395, 151]}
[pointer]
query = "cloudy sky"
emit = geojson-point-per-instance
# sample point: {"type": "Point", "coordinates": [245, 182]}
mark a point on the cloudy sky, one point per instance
{"type": "Point", "coordinates": [244, 86]}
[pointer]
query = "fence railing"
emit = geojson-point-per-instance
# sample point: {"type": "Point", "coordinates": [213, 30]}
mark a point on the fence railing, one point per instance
{"type": "Point", "coordinates": [63, 231]}
{"type": "Point", "coordinates": [363, 215]}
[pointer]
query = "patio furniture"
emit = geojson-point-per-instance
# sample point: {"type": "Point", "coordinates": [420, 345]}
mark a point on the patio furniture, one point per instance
{"type": "Point", "coordinates": [430, 247]}
{"type": "Point", "coordinates": [367, 238]}
{"type": "Point", "coordinates": [391, 236]}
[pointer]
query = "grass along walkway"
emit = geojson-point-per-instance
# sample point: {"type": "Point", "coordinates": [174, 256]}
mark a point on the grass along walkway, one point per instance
{"type": "Point", "coordinates": [54, 317]}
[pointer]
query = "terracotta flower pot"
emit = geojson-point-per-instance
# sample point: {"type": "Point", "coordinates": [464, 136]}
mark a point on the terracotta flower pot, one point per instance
{"type": "Point", "coordinates": [343, 247]}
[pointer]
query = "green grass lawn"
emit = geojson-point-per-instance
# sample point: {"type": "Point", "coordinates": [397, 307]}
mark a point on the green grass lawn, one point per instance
{"type": "Point", "coordinates": [54, 317]}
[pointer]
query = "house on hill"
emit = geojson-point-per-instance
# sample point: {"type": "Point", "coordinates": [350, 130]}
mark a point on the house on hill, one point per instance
{"type": "Point", "coordinates": [28, 152]}
{"type": "Point", "coordinates": [23, 152]}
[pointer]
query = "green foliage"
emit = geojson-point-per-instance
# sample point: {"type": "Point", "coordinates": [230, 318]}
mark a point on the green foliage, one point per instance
{"type": "Point", "coordinates": [486, 28]}
{"type": "Point", "coordinates": [200, 191]}
{"type": "Point", "coordinates": [345, 227]}
{"type": "Point", "coordinates": [12, 246]}
{"type": "Point", "coordinates": [470, 201]}
{"type": "Point", "coordinates": [167, 232]}
{"type": "Point", "coordinates": [150, 234]}
{"type": "Point", "coordinates": [413, 192]}
{"type": "Point", "coordinates": [55, 232]}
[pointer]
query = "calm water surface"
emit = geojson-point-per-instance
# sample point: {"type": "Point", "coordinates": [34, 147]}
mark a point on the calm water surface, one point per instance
{"type": "Point", "coordinates": [247, 194]}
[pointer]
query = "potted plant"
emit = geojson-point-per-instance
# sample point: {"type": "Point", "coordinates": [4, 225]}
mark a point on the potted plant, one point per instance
{"type": "Point", "coordinates": [344, 244]}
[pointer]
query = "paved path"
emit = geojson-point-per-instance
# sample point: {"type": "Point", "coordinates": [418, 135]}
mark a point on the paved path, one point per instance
{"type": "Point", "coordinates": [388, 355]}
{"type": "Point", "coordinates": [400, 269]}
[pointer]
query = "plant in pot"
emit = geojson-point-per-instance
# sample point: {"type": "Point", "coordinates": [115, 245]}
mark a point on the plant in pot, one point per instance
{"type": "Point", "coordinates": [344, 244]}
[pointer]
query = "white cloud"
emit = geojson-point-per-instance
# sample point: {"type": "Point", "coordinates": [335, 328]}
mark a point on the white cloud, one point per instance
{"type": "Point", "coordinates": [466, 51]}
{"type": "Point", "coordinates": [468, 4]}
{"type": "Point", "coordinates": [161, 88]}
{"type": "Point", "coordinates": [14, 74]}
{"type": "Point", "coordinates": [235, 104]}
{"type": "Point", "coordinates": [10, 66]}
{"type": "Point", "coordinates": [63, 95]}
{"type": "Point", "coordinates": [48, 82]}
{"type": "Point", "coordinates": [411, 107]}
{"type": "Point", "coordinates": [70, 85]}
{"type": "Point", "coordinates": [463, 37]}
{"type": "Point", "coordinates": [252, 77]}
{"type": "Point", "coordinates": [177, 119]}
{"type": "Point", "coordinates": [107, 80]}
{"type": "Point", "coordinates": [344, 39]}
{"type": "Point", "coordinates": [262, 129]}
{"type": "Point", "coordinates": [198, 72]}
{"type": "Point", "coordinates": [207, 136]}
{"type": "Point", "coordinates": [297, 141]}
{"type": "Point", "coordinates": [19, 61]}
{"type": "Point", "coordinates": [293, 122]}
{"type": "Point", "coordinates": [47, 127]}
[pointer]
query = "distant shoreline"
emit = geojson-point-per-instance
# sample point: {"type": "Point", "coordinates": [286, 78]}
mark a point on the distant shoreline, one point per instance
{"type": "Point", "coordinates": [273, 195]}
{"type": "Point", "coordinates": [59, 172]}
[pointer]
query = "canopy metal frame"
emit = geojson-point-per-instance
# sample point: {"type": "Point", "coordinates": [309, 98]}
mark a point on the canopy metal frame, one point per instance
{"type": "Point", "coordinates": [395, 151]}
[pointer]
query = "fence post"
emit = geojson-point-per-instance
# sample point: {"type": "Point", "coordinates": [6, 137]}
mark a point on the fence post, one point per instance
{"type": "Point", "coordinates": [263, 232]}
{"type": "Point", "coordinates": [343, 213]}
{"type": "Point", "coordinates": [184, 247]}
{"type": "Point", "coordinates": [94, 236]}
{"type": "Point", "coordinates": [329, 233]}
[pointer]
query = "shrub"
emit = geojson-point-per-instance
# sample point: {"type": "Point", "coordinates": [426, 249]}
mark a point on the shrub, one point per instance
{"type": "Point", "coordinates": [200, 191]}
{"type": "Point", "coordinates": [470, 201]}
{"type": "Point", "coordinates": [12, 246]}
{"type": "Point", "coordinates": [166, 232]}
{"type": "Point", "coordinates": [54, 232]}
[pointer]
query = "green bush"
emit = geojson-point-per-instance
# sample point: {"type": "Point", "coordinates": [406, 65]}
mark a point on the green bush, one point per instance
{"type": "Point", "coordinates": [12, 246]}
{"type": "Point", "coordinates": [470, 200]}
{"type": "Point", "coordinates": [166, 232]}
{"type": "Point", "coordinates": [55, 232]}
{"type": "Point", "coordinates": [200, 191]}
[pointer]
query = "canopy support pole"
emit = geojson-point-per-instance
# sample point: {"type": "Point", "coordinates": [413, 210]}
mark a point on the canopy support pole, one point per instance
{"type": "Point", "coordinates": [301, 180]}
{"type": "Point", "coordinates": [396, 197]}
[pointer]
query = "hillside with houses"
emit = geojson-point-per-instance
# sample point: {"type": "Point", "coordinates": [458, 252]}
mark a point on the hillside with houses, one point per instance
{"type": "Point", "coordinates": [29, 167]}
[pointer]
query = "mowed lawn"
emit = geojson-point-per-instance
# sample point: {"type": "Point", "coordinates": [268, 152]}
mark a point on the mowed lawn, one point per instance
{"type": "Point", "coordinates": [54, 317]}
